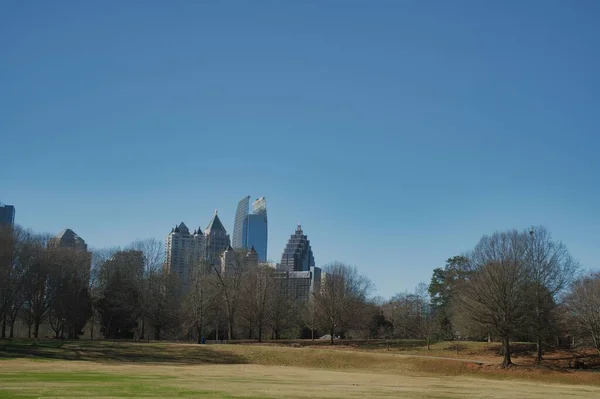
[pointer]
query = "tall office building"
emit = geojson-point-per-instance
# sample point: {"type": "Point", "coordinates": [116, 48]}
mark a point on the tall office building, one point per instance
{"type": "Point", "coordinates": [298, 255]}
{"type": "Point", "coordinates": [68, 243]}
{"type": "Point", "coordinates": [216, 240]}
{"type": "Point", "coordinates": [184, 249]}
{"type": "Point", "coordinates": [67, 239]}
{"type": "Point", "coordinates": [299, 286]}
{"type": "Point", "coordinates": [250, 229]}
{"type": "Point", "coordinates": [7, 215]}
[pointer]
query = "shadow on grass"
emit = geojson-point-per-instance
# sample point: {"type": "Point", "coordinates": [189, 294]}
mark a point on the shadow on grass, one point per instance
{"type": "Point", "coordinates": [102, 351]}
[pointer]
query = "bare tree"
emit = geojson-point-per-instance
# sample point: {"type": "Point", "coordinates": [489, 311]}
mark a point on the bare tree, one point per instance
{"type": "Point", "coordinates": [97, 281]}
{"type": "Point", "coordinates": [343, 293]}
{"type": "Point", "coordinates": [495, 293]}
{"type": "Point", "coordinates": [257, 299]}
{"type": "Point", "coordinates": [229, 280]}
{"type": "Point", "coordinates": [37, 290]}
{"type": "Point", "coordinates": [308, 316]}
{"type": "Point", "coordinates": [583, 303]}
{"type": "Point", "coordinates": [153, 252]}
{"type": "Point", "coordinates": [16, 255]}
{"type": "Point", "coordinates": [284, 308]}
{"type": "Point", "coordinates": [551, 269]}
{"type": "Point", "coordinates": [201, 298]}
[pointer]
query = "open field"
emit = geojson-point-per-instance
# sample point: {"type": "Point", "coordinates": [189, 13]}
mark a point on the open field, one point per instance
{"type": "Point", "coordinates": [113, 369]}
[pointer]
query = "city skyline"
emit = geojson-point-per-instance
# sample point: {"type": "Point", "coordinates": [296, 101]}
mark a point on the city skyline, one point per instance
{"type": "Point", "coordinates": [400, 129]}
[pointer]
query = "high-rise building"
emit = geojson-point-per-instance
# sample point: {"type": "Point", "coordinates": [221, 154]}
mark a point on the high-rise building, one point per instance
{"type": "Point", "coordinates": [234, 258]}
{"type": "Point", "coordinates": [7, 215]}
{"type": "Point", "coordinates": [298, 255]}
{"type": "Point", "coordinates": [250, 229]}
{"type": "Point", "coordinates": [67, 239]}
{"type": "Point", "coordinates": [69, 244]}
{"type": "Point", "coordinates": [216, 240]}
{"type": "Point", "coordinates": [129, 262]}
{"type": "Point", "coordinates": [299, 286]}
{"type": "Point", "coordinates": [184, 249]}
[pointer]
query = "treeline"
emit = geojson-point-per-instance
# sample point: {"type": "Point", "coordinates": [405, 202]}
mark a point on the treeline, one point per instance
{"type": "Point", "coordinates": [39, 285]}
{"type": "Point", "coordinates": [513, 285]}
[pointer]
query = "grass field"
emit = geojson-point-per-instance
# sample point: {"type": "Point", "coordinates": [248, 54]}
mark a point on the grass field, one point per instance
{"type": "Point", "coordinates": [111, 369]}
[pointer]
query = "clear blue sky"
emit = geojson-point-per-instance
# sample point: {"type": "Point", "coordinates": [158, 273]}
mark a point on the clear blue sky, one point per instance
{"type": "Point", "coordinates": [396, 132]}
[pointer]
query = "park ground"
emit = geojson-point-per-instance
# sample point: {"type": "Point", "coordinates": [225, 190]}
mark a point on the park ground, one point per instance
{"type": "Point", "coordinates": [298, 369]}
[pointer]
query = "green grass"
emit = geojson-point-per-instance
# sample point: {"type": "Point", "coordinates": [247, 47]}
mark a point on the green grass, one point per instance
{"type": "Point", "coordinates": [93, 384]}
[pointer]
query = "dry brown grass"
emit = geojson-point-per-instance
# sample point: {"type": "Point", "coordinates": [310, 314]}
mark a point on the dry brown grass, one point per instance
{"type": "Point", "coordinates": [274, 371]}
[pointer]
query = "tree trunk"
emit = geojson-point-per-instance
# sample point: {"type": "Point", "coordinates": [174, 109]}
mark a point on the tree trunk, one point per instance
{"type": "Point", "coordinates": [538, 358]}
{"type": "Point", "coordinates": [229, 329]}
{"type": "Point", "coordinates": [36, 329]}
{"type": "Point", "coordinates": [199, 331]}
{"type": "Point", "coordinates": [29, 331]}
{"type": "Point", "coordinates": [3, 327]}
{"type": "Point", "coordinates": [157, 333]}
{"type": "Point", "coordinates": [12, 328]}
{"type": "Point", "coordinates": [259, 333]}
{"type": "Point", "coordinates": [506, 362]}
{"type": "Point", "coordinates": [428, 343]}
{"type": "Point", "coordinates": [331, 336]}
{"type": "Point", "coordinates": [312, 334]}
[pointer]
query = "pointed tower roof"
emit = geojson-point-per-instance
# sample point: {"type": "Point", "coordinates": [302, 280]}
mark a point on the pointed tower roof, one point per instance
{"type": "Point", "coordinates": [199, 231]}
{"type": "Point", "coordinates": [215, 225]}
{"type": "Point", "coordinates": [183, 228]}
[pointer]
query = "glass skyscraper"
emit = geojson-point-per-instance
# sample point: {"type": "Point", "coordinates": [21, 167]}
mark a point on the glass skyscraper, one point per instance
{"type": "Point", "coordinates": [7, 215]}
{"type": "Point", "coordinates": [250, 229]}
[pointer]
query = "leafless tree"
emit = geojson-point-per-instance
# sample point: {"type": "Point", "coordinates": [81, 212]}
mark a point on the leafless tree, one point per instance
{"type": "Point", "coordinates": [308, 316]}
{"type": "Point", "coordinates": [97, 281]}
{"type": "Point", "coordinates": [153, 252]}
{"type": "Point", "coordinates": [257, 299]}
{"type": "Point", "coordinates": [37, 290]}
{"type": "Point", "coordinates": [284, 308]}
{"type": "Point", "coordinates": [551, 269]}
{"type": "Point", "coordinates": [342, 295]}
{"type": "Point", "coordinates": [495, 293]}
{"type": "Point", "coordinates": [15, 257]}
{"type": "Point", "coordinates": [201, 298]}
{"type": "Point", "coordinates": [228, 281]}
{"type": "Point", "coordinates": [583, 303]}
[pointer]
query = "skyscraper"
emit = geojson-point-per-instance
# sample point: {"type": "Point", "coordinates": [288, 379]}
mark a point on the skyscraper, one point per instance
{"type": "Point", "coordinates": [184, 249]}
{"type": "Point", "coordinates": [250, 229]}
{"type": "Point", "coordinates": [298, 255]}
{"type": "Point", "coordinates": [216, 240]}
{"type": "Point", "coordinates": [67, 239]}
{"type": "Point", "coordinates": [7, 215]}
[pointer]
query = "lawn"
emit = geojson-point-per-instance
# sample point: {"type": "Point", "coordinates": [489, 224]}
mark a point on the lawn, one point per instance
{"type": "Point", "coordinates": [112, 369]}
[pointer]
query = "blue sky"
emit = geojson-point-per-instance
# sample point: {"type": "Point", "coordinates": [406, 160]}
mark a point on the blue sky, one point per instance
{"type": "Point", "coordinates": [396, 132]}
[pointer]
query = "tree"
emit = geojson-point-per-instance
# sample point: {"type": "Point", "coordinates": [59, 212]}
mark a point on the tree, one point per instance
{"type": "Point", "coordinates": [201, 298]}
{"type": "Point", "coordinates": [284, 308]}
{"type": "Point", "coordinates": [118, 303]}
{"type": "Point", "coordinates": [153, 252]}
{"type": "Point", "coordinates": [229, 280]}
{"type": "Point", "coordinates": [442, 288]}
{"type": "Point", "coordinates": [162, 302]}
{"type": "Point", "coordinates": [37, 282]}
{"type": "Point", "coordinates": [16, 254]}
{"type": "Point", "coordinates": [257, 299]}
{"type": "Point", "coordinates": [583, 303]}
{"type": "Point", "coordinates": [342, 296]}
{"type": "Point", "coordinates": [68, 282]}
{"type": "Point", "coordinates": [494, 295]}
{"type": "Point", "coordinates": [551, 269]}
